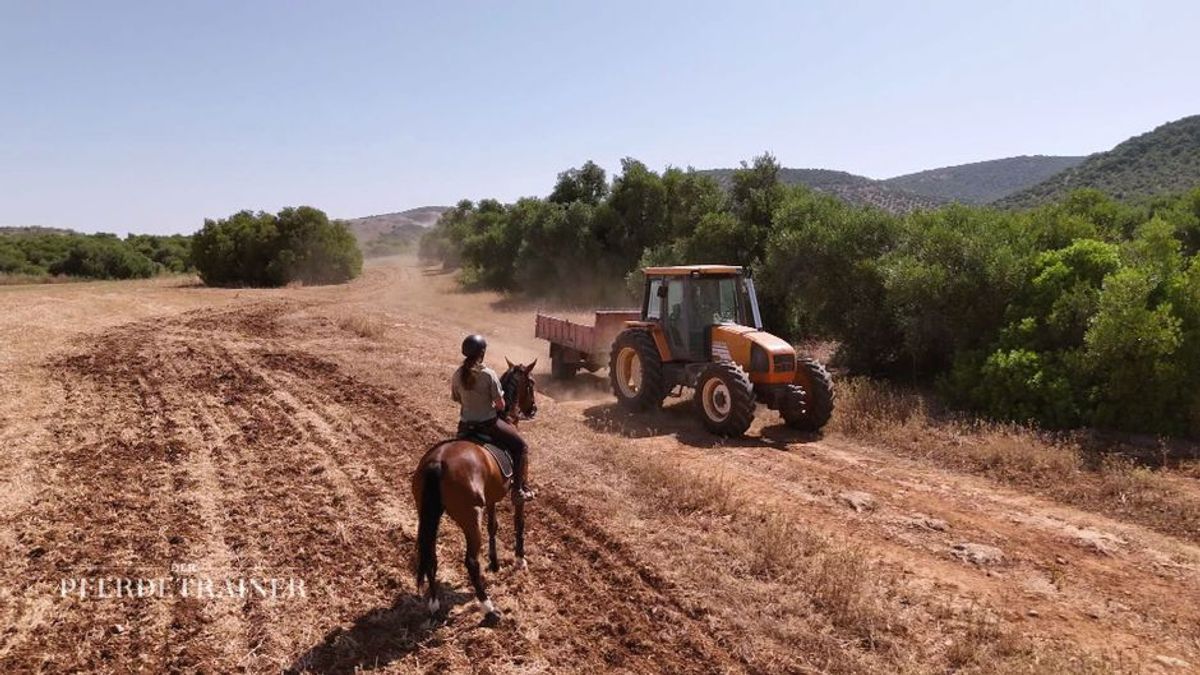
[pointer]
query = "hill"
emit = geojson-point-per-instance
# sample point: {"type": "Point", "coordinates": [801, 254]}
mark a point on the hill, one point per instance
{"type": "Point", "coordinates": [983, 182]}
{"type": "Point", "coordinates": [369, 228]}
{"type": "Point", "coordinates": [850, 188]}
{"type": "Point", "coordinates": [33, 230]}
{"type": "Point", "coordinates": [392, 233]}
{"type": "Point", "coordinates": [1164, 160]}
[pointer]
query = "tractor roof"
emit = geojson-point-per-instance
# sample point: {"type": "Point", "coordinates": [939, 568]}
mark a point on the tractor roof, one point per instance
{"type": "Point", "coordinates": [702, 270]}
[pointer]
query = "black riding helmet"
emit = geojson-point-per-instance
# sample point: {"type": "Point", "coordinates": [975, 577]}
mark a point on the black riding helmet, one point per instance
{"type": "Point", "coordinates": [474, 345]}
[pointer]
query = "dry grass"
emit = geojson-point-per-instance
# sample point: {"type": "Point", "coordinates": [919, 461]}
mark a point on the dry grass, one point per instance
{"type": "Point", "coordinates": [854, 614]}
{"type": "Point", "coordinates": [23, 279]}
{"type": "Point", "coordinates": [1062, 467]}
{"type": "Point", "coordinates": [367, 326]}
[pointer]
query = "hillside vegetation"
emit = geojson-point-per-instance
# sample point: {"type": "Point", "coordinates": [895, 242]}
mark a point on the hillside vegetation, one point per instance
{"type": "Point", "coordinates": [982, 182]}
{"type": "Point", "coordinates": [850, 188]}
{"type": "Point", "coordinates": [35, 253]}
{"type": "Point", "coordinates": [1083, 312]}
{"type": "Point", "coordinates": [393, 233]}
{"type": "Point", "coordinates": [1161, 161]}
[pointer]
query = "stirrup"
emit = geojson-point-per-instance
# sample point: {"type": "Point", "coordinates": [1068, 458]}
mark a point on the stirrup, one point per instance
{"type": "Point", "coordinates": [523, 495]}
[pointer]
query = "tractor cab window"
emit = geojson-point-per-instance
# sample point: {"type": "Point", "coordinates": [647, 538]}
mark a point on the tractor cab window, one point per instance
{"type": "Point", "coordinates": [720, 300]}
{"type": "Point", "coordinates": [673, 322]}
{"type": "Point", "coordinates": [653, 300]}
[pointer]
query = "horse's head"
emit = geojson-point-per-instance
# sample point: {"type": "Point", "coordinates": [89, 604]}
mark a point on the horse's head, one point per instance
{"type": "Point", "coordinates": [520, 393]}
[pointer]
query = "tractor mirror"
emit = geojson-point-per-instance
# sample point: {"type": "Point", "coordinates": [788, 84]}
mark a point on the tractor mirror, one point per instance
{"type": "Point", "coordinates": [662, 291]}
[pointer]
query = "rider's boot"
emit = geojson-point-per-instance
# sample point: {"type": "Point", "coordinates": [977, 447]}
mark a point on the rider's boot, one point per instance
{"type": "Point", "coordinates": [520, 489]}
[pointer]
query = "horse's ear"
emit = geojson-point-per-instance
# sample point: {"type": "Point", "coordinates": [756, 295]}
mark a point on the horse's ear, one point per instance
{"type": "Point", "coordinates": [529, 368]}
{"type": "Point", "coordinates": [510, 363]}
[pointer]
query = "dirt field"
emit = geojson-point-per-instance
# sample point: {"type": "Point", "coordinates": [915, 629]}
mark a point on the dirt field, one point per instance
{"type": "Point", "coordinates": [164, 430]}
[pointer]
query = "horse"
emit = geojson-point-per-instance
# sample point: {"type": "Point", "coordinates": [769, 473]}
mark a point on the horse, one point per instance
{"type": "Point", "coordinates": [461, 478]}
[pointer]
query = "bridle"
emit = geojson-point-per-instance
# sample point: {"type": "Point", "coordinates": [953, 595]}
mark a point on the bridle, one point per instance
{"type": "Point", "coordinates": [518, 387]}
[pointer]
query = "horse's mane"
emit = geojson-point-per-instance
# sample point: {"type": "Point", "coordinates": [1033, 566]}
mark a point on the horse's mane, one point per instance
{"type": "Point", "coordinates": [508, 387]}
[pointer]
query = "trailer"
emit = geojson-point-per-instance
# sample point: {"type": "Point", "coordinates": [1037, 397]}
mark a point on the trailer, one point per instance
{"type": "Point", "coordinates": [576, 345]}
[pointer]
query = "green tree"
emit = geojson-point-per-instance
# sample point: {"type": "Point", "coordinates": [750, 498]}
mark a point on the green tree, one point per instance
{"type": "Point", "coordinates": [587, 183]}
{"type": "Point", "coordinates": [261, 249]}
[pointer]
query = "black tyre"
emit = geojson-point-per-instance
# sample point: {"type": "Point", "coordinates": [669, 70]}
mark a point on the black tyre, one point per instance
{"type": "Point", "coordinates": [635, 371]}
{"type": "Point", "coordinates": [808, 404]}
{"type": "Point", "coordinates": [560, 368]}
{"type": "Point", "coordinates": [725, 399]}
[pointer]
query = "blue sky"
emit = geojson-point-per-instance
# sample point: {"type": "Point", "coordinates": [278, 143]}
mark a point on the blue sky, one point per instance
{"type": "Point", "coordinates": [150, 116]}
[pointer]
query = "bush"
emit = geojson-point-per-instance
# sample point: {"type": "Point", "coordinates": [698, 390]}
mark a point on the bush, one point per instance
{"type": "Point", "coordinates": [261, 249]}
{"type": "Point", "coordinates": [103, 258]}
{"type": "Point", "coordinates": [95, 256]}
{"type": "Point", "coordinates": [1086, 311]}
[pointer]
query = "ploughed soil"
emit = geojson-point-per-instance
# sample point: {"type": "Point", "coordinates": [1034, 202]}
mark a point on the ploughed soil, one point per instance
{"type": "Point", "coordinates": [200, 438]}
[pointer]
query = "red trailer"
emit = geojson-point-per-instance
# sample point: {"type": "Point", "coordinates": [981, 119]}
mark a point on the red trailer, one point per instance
{"type": "Point", "coordinates": [575, 345]}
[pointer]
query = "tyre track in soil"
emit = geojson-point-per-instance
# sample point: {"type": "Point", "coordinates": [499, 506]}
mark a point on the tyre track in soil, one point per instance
{"type": "Point", "coordinates": [1111, 601]}
{"type": "Point", "coordinates": [103, 515]}
{"type": "Point", "coordinates": [249, 455]}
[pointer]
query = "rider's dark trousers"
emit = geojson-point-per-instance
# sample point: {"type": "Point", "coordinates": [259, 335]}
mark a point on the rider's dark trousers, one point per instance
{"type": "Point", "coordinates": [505, 435]}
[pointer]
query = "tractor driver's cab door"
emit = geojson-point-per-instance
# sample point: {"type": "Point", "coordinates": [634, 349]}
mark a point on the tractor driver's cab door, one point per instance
{"type": "Point", "coordinates": [665, 305]}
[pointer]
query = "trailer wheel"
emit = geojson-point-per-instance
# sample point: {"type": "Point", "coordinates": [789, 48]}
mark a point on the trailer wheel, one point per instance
{"type": "Point", "coordinates": [725, 399]}
{"type": "Point", "coordinates": [635, 371]}
{"type": "Point", "coordinates": [560, 367]}
{"type": "Point", "coordinates": [808, 404]}
{"type": "Point", "coordinates": [561, 370]}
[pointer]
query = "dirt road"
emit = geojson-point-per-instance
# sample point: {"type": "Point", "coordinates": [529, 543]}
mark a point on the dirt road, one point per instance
{"type": "Point", "coordinates": [157, 430]}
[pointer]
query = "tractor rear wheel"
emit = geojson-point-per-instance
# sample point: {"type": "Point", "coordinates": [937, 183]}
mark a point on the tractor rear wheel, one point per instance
{"type": "Point", "coordinates": [635, 371]}
{"type": "Point", "coordinates": [725, 399]}
{"type": "Point", "coordinates": [808, 404]}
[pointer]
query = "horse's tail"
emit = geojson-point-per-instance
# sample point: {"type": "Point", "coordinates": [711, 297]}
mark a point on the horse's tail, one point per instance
{"type": "Point", "coordinates": [430, 515]}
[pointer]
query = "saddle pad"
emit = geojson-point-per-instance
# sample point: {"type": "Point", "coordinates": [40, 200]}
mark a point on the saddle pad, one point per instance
{"type": "Point", "coordinates": [502, 458]}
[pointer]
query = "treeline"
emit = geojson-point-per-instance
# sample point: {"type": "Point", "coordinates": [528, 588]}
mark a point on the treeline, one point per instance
{"type": "Point", "coordinates": [1083, 312]}
{"type": "Point", "coordinates": [93, 256]}
{"type": "Point", "coordinates": [266, 249]}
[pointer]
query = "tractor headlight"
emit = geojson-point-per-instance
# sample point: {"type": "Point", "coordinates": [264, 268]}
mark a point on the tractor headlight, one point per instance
{"type": "Point", "coordinates": [760, 361]}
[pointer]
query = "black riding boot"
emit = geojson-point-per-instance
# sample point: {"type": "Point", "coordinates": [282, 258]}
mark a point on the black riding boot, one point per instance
{"type": "Point", "coordinates": [520, 492]}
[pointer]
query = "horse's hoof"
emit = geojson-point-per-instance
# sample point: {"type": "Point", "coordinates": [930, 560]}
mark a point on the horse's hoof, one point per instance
{"type": "Point", "coordinates": [494, 567]}
{"type": "Point", "coordinates": [522, 565]}
{"type": "Point", "coordinates": [492, 618]}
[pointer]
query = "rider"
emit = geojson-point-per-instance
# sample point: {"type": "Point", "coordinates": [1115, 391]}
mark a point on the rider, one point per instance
{"type": "Point", "coordinates": [477, 388]}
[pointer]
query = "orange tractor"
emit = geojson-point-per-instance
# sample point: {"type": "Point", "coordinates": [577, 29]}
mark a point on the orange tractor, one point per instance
{"type": "Point", "coordinates": [699, 328]}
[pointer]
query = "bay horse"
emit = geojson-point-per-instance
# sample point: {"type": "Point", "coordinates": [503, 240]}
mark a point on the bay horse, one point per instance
{"type": "Point", "coordinates": [461, 478]}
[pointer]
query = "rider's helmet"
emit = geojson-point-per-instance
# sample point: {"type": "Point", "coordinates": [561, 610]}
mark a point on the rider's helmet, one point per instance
{"type": "Point", "coordinates": [474, 345]}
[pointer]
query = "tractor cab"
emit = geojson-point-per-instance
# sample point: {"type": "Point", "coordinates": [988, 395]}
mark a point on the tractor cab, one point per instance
{"type": "Point", "coordinates": [688, 300]}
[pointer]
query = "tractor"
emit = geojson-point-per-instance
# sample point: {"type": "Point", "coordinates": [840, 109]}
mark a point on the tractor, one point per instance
{"type": "Point", "coordinates": [699, 327]}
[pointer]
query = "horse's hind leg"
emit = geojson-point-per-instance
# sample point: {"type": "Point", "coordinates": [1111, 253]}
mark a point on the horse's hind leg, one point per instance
{"type": "Point", "coordinates": [470, 526]}
{"type": "Point", "coordinates": [493, 559]}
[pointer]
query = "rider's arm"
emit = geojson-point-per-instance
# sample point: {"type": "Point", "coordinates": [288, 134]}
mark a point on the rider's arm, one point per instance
{"type": "Point", "coordinates": [497, 395]}
{"type": "Point", "coordinates": [454, 393]}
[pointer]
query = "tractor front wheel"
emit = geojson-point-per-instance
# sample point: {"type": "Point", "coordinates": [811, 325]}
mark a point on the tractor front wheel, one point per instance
{"type": "Point", "coordinates": [635, 371]}
{"type": "Point", "coordinates": [725, 399]}
{"type": "Point", "coordinates": [808, 404]}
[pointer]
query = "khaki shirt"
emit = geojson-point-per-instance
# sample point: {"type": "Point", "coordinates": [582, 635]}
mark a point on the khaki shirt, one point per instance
{"type": "Point", "coordinates": [478, 402]}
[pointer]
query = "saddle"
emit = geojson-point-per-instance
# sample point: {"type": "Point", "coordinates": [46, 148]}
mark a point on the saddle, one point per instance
{"type": "Point", "coordinates": [478, 434]}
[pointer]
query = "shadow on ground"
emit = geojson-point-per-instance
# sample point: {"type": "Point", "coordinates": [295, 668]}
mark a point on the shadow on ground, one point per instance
{"type": "Point", "coordinates": [380, 636]}
{"type": "Point", "coordinates": [679, 420]}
